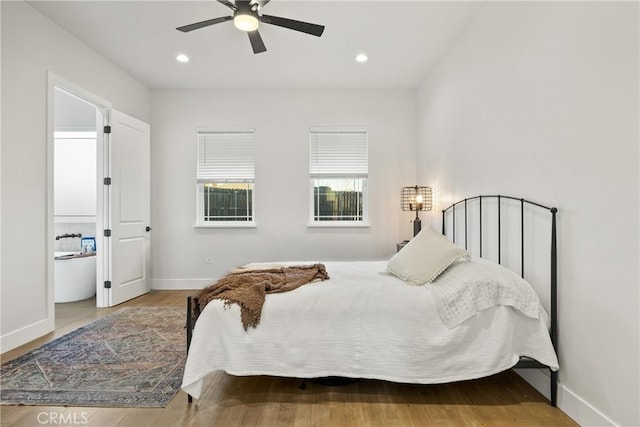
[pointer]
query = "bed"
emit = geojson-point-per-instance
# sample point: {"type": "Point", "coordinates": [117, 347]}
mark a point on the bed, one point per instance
{"type": "Point", "coordinates": [379, 319]}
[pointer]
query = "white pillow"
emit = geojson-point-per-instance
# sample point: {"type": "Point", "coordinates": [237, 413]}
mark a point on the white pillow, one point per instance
{"type": "Point", "coordinates": [425, 257]}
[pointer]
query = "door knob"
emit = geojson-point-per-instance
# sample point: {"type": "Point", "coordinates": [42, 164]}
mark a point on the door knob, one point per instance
{"type": "Point", "coordinates": [148, 228]}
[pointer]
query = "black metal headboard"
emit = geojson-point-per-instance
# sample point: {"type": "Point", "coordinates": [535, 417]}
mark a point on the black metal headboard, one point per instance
{"type": "Point", "coordinates": [553, 291]}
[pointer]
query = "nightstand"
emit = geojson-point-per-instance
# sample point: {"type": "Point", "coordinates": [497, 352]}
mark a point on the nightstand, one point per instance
{"type": "Point", "coordinates": [401, 245]}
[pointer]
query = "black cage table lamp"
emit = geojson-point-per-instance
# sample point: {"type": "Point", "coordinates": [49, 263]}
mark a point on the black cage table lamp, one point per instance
{"type": "Point", "coordinates": [416, 199]}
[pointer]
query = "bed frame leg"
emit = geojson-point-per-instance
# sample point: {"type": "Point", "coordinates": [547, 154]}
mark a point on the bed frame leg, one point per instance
{"type": "Point", "coordinates": [189, 332]}
{"type": "Point", "coordinates": [554, 388]}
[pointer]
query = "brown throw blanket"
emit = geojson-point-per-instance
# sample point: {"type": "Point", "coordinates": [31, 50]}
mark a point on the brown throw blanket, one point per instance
{"type": "Point", "coordinates": [248, 288]}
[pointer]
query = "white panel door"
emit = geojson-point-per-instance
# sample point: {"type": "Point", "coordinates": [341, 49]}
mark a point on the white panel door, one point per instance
{"type": "Point", "coordinates": [129, 208]}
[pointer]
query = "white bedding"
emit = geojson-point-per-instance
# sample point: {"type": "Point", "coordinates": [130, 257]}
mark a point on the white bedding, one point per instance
{"type": "Point", "coordinates": [363, 324]}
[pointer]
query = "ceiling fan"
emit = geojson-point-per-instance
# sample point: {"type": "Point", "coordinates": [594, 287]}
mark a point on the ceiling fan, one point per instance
{"type": "Point", "coordinates": [246, 18]}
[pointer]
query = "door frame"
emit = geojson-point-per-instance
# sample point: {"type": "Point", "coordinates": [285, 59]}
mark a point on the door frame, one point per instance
{"type": "Point", "coordinates": [103, 107]}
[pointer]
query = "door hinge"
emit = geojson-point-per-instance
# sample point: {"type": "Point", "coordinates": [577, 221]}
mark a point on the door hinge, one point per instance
{"type": "Point", "coordinates": [107, 233]}
{"type": "Point", "coordinates": [107, 181]}
{"type": "Point", "coordinates": [107, 129]}
{"type": "Point", "coordinates": [107, 284]}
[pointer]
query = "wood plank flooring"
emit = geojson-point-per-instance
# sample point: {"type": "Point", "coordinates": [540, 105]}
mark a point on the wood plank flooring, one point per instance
{"type": "Point", "coordinates": [501, 400]}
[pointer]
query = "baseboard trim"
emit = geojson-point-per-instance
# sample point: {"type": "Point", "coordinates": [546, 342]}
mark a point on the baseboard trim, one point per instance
{"type": "Point", "coordinates": [180, 284]}
{"type": "Point", "coordinates": [582, 411]}
{"type": "Point", "coordinates": [569, 402]}
{"type": "Point", "coordinates": [23, 335]}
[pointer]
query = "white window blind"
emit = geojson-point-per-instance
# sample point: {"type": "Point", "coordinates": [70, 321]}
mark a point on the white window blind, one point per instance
{"type": "Point", "coordinates": [225, 156]}
{"type": "Point", "coordinates": [338, 153]}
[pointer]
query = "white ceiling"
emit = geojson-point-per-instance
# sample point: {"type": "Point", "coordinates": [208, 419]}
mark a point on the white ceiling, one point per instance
{"type": "Point", "coordinates": [403, 39]}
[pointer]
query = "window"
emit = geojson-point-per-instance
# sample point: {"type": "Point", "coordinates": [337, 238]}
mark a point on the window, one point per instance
{"type": "Point", "coordinates": [225, 177]}
{"type": "Point", "coordinates": [338, 168]}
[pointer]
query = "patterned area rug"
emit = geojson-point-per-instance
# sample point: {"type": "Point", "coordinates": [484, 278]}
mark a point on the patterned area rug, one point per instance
{"type": "Point", "coordinates": [133, 357]}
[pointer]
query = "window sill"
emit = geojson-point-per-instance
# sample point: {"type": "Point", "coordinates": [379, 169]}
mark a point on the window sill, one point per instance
{"type": "Point", "coordinates": [338, 224]}
{"type": "Point", "coordinates": [227, 225]}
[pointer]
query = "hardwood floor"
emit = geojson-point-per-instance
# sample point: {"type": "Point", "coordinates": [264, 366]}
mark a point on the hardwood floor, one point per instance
{"type": "Point", "coordinates": [501, 400]}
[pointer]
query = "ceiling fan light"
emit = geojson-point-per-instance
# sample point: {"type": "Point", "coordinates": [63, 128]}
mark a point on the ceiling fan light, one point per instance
{"type": "Point", "coordinates": [246, 22]}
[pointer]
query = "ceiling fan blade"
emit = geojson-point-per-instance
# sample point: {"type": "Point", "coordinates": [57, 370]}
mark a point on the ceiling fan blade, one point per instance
{"type": "Point", "coordinates": [197, 25]}
{"type": "Point", "coordinates": [292, 24]}
{"type": "Point", "coordinates": [228, 4]}
{"type": "Point", "coordinates": [256, 42]}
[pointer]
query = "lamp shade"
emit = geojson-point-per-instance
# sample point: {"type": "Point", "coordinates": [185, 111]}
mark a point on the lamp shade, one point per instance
{"type": "Point", "coordinates": [416, 198]}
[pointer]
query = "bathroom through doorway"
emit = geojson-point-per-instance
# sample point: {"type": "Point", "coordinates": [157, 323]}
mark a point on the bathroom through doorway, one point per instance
{"type": "Point", "coordinates": [98, 198]}
{"type": "Point", "coordinates": [77, 126]}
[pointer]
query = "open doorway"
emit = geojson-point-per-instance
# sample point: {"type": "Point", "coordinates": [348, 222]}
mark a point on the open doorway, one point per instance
{"type": "Point", "coordinates": [75, 202]}
{"type": "Point", "coordinates": [105, 156]}
{"type": "Point", "coordinates": [75, 205]}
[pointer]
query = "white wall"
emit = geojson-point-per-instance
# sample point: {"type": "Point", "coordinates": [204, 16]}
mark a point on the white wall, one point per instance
{"type": "Point", "coordinates": [541, 101]}
{"type": "Point", "coordinates": [31, 46]}
{"type": "Point", "coordinates": [282, 119]}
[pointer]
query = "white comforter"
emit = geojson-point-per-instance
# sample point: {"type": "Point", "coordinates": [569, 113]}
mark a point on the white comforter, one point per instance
{"type": "Point", "coordinates": [363, 324]}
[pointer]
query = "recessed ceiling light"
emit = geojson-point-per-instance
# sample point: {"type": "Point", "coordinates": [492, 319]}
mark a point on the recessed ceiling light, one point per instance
{"type": "Point", "coordinates": [182, 58]}
{"type": "Point", "coordinates": [362, 57]}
